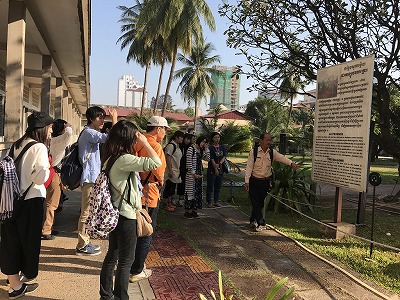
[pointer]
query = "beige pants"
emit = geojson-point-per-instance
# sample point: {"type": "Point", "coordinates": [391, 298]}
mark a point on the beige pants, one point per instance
{"type": "Point", "coordinates": [83, 238]}
{"type": "Point", "coordinates": [53, 193]}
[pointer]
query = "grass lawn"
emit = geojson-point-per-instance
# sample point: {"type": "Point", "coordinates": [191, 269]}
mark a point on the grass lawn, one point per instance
{"type": "Point", "coordinates": [384, 265]}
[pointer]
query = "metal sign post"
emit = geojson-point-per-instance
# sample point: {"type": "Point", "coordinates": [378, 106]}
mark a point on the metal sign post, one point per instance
{"type": "Point", "coordinates": [375, 179]}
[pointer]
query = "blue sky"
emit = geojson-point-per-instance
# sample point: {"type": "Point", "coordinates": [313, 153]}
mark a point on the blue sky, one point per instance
{"type": "Point", "coordinates": [108, 62]}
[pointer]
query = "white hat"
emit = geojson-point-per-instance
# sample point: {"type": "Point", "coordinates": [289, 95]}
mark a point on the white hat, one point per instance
{"type": "Point", "coordinates": [157, 121]}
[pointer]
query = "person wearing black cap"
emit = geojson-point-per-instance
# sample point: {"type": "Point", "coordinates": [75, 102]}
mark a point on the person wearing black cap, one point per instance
{"type": "Point", "coordinates": [21, 238]}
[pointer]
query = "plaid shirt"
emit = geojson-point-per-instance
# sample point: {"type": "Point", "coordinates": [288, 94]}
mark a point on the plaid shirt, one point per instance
{"type": "Point", "coordinates": [10, 187]}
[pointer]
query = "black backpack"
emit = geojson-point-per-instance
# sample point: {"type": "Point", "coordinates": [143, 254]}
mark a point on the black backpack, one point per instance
{"type": "Point", "coordinates": [71, 170]}
{"type": "Point", "coordinates": [173, 151]}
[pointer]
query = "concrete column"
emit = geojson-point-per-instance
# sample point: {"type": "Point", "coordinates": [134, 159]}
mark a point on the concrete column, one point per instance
{"type": "Point", "coordinates": [64, 105]}
{"type": "Point", "coordinates": [15, 65]}
{"type": "Point", "coordinates": [59, 95]}
{"type": "Point", "coordinates": [46, 84]}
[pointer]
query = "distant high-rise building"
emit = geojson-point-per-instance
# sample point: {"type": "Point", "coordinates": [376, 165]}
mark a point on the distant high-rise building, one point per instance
{"type": "Point", "coordinates": [228, 88]}
{"type": "Point", "coordinates": [130, 92]}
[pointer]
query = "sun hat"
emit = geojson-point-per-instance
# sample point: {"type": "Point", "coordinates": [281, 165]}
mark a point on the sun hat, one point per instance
{"type": "Point", "coordinates": [157, 121]}
{"type": "Point", "coordinates": [38, 119]}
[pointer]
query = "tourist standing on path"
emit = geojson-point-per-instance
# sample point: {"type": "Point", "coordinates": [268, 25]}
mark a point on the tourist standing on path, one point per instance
{"type": "Point", "coordinates": [61, 138]}
{"type": "Point", "coordinates": [214, 172]}
{"type": "Point", "coordinates": [89, 155]}
{"type": "Point", "coordinates": [20, 238]}
{"type": "Point", "coordinates": [257, 179]}
{"type": "Point", "coordinates": [194, 177]}
{"type": "Point", "coordinates": [184, 146]}
{"type": "Point", "coordinates": [152, 181]}
{"type": "Point", "coordinates": [121, 164]}
{"type": "Point", "coordinates": [173, 155]}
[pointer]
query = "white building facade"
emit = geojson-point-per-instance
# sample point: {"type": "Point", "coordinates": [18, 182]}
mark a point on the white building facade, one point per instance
{"type": "Point", "coordinates": [130, 92]}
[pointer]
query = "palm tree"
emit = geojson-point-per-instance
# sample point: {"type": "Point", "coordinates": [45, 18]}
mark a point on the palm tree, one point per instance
{"type": "Point", "coordinates": [137, 49]}
{"type": "Point", "coordinates": [196, 82]}
{"type": "Point", "coordinates": [178, 22]}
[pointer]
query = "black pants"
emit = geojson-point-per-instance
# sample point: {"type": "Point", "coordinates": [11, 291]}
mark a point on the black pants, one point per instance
{"type": "Point", "coordinates": [258, 189]}
{"type": "Point", "coordinates": [21, 240]}
{"type": "Point", "coordinates": [121, 249]}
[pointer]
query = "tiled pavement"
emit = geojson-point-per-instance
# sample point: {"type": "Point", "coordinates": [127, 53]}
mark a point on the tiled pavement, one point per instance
{"type": "Point", "coordinates": [178, 271]}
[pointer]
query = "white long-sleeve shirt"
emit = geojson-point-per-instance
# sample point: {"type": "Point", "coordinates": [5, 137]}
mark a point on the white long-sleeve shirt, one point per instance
{"type": "Point", "coordinates": [33, 167]}
{"type": "Point", "coordinates": [58, 145]}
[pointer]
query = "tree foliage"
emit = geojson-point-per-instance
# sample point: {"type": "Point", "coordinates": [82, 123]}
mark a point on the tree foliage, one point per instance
{"type": "Point", "coordinates": [310, 35]}
{"type": "Point", "coordinates": [269, 116]}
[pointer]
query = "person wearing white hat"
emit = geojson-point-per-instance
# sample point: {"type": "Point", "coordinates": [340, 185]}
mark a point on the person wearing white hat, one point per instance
{"type": "Point", "coordinates": [152, 181]}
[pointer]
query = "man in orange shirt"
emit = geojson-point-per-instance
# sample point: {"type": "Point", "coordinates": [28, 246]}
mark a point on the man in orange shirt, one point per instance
{"type": "Point", "coordinates": [152, 181]}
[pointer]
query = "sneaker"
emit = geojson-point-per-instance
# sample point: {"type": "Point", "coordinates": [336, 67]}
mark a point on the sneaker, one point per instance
{"type": "Point", "coordinates": [188, 215]}
{"type": "Point", "coordinates": [25, 289]}
{"type": "Point", "coordinates": [181, 202]}
{"type": "Point", "coordinates": [146, 273]}
{"type": "Point", "coordinates": [89, 249]}
{"type": "Point", "coordinates": [260, 228]}
{"type": "Point", "coordinates": [23, 279]}
{"type": "Point", "coordinates": [194, 214]}
{"type": "Point", "coordinates": [169, 208]}
{"type": "Point", "coordinates": [253, 225]}
{"type": "Point", "coordinates": [210, 206]}
{"type": "Point", "coordinates": [217, 205]}
{"type": "Point", "coordinates": [48, 237]}
{"type": "Point", "coordinates": [95, 247]}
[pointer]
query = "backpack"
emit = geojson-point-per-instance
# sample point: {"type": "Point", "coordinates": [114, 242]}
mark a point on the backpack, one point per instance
{"type": "Point", "coordinates": [173, 151]}
{"type": "Point", "coordinates": [71, 169]}
{"type": "Point", "coordinates": [103, 216]}
{"type": "Point", "coordinates": [10, 197]}
{"type": "Point", "coordinates": [271, 155]}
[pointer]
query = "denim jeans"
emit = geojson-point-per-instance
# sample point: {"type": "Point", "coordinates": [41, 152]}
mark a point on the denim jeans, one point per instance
{"type": "Point", "coordinates": [143, 244]}
{"type": "Point", "coordinates": [121, 248]}
{"type": "Point", "coordinates": [213, 183]}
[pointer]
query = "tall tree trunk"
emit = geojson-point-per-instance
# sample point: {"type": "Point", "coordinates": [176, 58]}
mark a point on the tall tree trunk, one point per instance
{"type": "Point", "coordinates": [196, 108]}
{"type": "Point", "coordinates": [146, 72]}
{"type": "Point", "coordinates": [290, 111]}
{"type": "Point", "coordinates": [159, 87]}
{"type": "Point", "coordinates": [171, 75]}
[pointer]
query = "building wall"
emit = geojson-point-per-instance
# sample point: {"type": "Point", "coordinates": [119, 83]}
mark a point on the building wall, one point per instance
{"type": "Point", "coordinates": [129, 92]}
{"type": "Point", "coordinates": [228, 88]}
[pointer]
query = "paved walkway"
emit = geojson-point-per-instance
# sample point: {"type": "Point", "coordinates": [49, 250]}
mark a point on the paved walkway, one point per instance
{"type": "Point", "coordinates": [252, 261]}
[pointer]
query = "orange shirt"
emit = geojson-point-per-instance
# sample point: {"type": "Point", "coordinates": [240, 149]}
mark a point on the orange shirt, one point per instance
{"type": "Point", "coordinates": [157, 177]}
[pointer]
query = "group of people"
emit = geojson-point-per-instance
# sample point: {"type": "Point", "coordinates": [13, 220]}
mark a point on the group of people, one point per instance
{"type": "Point", "coordinates": [138, 167]}
{"type": "Point", "coordinates": [184, 173]}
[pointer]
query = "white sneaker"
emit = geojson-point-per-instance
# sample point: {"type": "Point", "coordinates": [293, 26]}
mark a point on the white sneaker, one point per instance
{"type": "Point", "coordinates": [260, 228]}
{"type": "Point", "coordinates": [146, 273]}
{"type": "Point", "coordinates": [253, 225]}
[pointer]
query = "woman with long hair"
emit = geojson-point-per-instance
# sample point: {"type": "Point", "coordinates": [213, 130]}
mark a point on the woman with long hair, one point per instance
{"type": "Point", "coordinates": [194, 176]}
{"type": "Point", "coordinates": [21, 237]}
{"type": "Point", "coordinates": [120, 163]}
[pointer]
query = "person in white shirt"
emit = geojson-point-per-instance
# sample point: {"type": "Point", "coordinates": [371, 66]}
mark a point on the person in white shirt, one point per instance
{"type": "Point", "coordinates": [173, 155]}
{"type": "Point", "coordinates": [257, 179]}
{"type": "Point", "coordinates": [20, 238]}
{"type": "Point", "coordinates": [61, 138]}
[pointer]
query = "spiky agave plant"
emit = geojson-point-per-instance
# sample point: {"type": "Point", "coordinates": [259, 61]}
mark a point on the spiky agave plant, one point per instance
{"type": "Point", "coordinates": [270, 296]}
{"type": "Point", "coordinates": [291, 188]}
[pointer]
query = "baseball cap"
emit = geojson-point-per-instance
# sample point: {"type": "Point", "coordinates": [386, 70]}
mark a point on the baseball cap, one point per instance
{"type": "Point", "coordinates": [157, 121]}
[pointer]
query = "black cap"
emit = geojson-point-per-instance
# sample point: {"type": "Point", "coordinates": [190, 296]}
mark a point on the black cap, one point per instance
{"type": "Point", "coordinates": [38, 119]}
